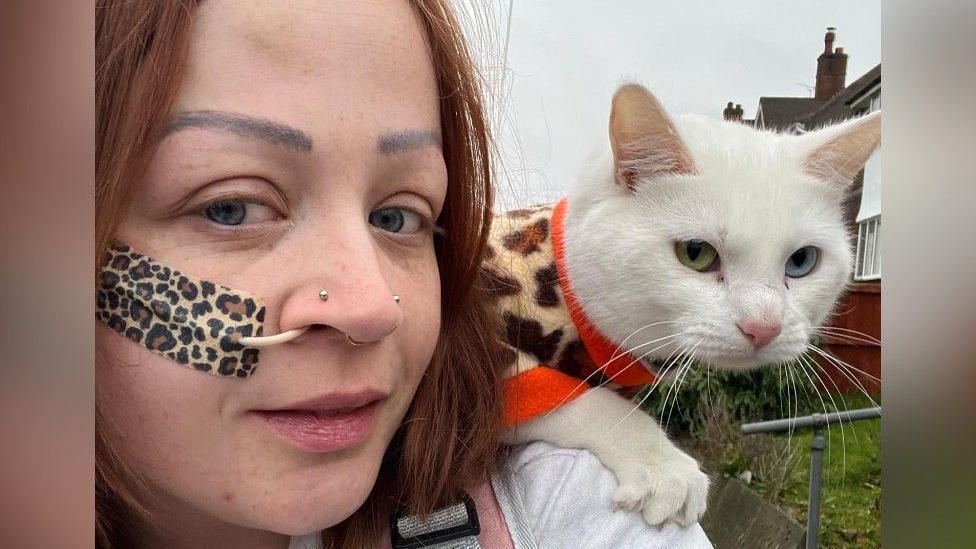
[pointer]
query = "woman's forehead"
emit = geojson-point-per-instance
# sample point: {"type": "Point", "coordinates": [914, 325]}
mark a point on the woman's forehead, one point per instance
{"type": "Point", "coordinates": [310, 62]}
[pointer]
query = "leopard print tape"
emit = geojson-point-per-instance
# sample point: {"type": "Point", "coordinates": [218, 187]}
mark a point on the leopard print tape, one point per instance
{"type": "Point", "coordinates": [190, 321]}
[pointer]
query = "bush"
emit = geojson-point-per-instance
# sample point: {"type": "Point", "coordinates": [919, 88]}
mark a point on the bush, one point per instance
{"type": "Point", "coordinates": [767, 393]}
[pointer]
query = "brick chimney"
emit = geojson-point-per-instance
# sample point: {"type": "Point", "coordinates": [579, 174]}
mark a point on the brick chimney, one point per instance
{"type": "Point", "coordinates": [732, 114]}
{"type": "Point", "coordinates": [728, 113]}
{"type": "Point", "coordinates": [831, 68]}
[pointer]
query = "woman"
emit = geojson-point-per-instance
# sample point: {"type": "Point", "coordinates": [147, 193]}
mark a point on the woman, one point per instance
{"type": "Point", "coordinates": [329, 161]}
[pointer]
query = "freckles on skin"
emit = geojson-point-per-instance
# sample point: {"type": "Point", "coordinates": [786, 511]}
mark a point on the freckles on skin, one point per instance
{"type": "Point", "coordinates": [346, 75]}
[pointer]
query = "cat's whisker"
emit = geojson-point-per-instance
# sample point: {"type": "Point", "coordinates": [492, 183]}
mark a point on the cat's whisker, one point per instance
{"type": "Point", "coordinates": [791, 383]}
{"type": "Point", "coordinates": [851, 368]}
{"type": "Point", "coordinates": [806, 371]}
{"type": "Point", "coordinates": [813, 363]}
{"type": "Point", "coordinates": [779, 387]}
{"type": "Point", "coordinates": [847, 338]}
{"type": "Point", "coordinates": [599, 370]}
{"type": "Point", "coordinates": [636, 347]}
{"type": "Point", "coordinates": [867, 337]}
{"type": "Point", "coordinates": [842, 368]}
{"type": "Point", "coordinates": [664, 370]}
{"type": "Point", "coordinates": [679, 360]}
{"type": "Point", "coordinates": [667, 364]}
{"type": "Point", "coordinates": [619, 350]}
{"type": "Point", "coordinates": [688, 365]}
{"type": "Point", "coordinates": [840, 394]}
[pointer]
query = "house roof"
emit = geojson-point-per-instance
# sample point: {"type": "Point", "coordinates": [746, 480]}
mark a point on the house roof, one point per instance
{"type": "Point", "coordinates": [781, 112]}
{"type": "Point", "coordinates": [838, 107]}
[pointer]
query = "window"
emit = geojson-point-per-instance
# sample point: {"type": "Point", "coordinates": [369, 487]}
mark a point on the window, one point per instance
{"type": "Point", "coordinates": [875, 103]}
{"type": "Point", "coordinates": [868, 260]}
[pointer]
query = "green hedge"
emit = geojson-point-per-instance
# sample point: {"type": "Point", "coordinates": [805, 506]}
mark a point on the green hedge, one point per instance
{"type": "Point", "coordinates": [765, 393]}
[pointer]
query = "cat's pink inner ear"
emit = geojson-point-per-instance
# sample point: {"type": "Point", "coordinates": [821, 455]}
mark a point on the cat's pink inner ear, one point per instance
{"type": "Point", "coordinates": [644, 141]}
{"type": "Point", "coordinates": [845, 150]}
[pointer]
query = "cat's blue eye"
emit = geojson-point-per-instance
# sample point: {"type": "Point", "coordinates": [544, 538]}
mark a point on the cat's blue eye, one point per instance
{"type": "Point", "coordinates": [802, 262]}
{"type": "Point", "coordinates": [396, 220]}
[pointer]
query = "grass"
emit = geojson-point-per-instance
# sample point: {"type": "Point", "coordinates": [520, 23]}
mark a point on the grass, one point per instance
{"type": "Point", "coordinates": [850, 513]}
{"type": "Point", "coordinates": [850, 507]}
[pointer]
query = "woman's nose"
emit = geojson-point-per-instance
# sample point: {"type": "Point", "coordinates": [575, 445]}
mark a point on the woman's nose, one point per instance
{"type": "Point", "coordinates": [352, 297]}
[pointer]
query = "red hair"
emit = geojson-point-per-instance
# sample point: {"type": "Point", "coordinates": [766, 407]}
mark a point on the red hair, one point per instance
{"type": "Point", "coordinates": [449, 438]}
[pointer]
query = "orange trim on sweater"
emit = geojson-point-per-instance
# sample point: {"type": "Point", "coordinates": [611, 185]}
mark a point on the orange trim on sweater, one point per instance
{"type": "Point", "coordinates": [623, 369]}
{"type": "Point", "coordinates": [538, 391]}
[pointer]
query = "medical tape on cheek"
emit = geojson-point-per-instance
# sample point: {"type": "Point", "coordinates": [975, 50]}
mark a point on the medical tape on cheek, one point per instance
{"type": "Point", "coordinates": [190, 321]}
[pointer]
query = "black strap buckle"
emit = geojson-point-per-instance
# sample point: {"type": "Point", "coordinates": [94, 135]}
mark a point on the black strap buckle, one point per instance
{"type": "Point", "coordinates": [426, 539]}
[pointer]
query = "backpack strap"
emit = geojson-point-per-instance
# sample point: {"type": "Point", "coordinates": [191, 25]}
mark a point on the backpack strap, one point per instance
{"type": "Point", "coordinates": [452, 527]}
{"type": "Point", "coordinates": [475, 523]}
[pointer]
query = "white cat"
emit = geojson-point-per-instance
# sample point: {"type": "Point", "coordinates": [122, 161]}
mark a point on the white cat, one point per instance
{"type": "Point", "coordinates": [688, 240]}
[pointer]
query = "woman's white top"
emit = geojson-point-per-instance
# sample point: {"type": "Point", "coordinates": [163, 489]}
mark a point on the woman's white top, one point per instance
{"type": "Point", "coordinates": [560, 498]}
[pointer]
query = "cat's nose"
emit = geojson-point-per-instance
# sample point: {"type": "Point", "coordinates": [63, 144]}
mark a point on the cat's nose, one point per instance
{"type": "Point", "coordinates": [759, 332]}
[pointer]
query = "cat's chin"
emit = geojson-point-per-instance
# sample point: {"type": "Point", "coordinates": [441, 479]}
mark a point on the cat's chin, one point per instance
{"type": "Point", "coordinates": [744, 363]}
{"type": "Point", "coordinates": [736, 364]}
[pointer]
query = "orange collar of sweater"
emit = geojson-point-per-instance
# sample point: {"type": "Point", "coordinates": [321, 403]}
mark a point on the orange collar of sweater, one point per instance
{"type": "Point", "coordinates": [618, 365]}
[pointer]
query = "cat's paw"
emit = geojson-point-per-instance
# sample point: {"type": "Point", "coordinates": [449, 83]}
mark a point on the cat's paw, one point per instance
{"type": "Point", "coordinates": [678, 491]}
{"type": "Point", "coordinates": [629, 496]}
{"type": "Point", "coordinates": [672, 488]}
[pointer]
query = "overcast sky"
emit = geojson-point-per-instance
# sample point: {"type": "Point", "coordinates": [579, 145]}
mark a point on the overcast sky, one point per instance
{"type": "Point", "coordinates": [566, 57]}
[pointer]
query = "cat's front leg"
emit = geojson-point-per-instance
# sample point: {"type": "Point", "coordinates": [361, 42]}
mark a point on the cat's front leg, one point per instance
{"type": "Point", "coordinates": [653, 474]}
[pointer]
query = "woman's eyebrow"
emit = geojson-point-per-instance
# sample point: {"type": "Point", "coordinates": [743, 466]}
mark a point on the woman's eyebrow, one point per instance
{"type": "Point", "coordinates": [406, 140]}
{"type": "Point", "coordinates": [244, 126]}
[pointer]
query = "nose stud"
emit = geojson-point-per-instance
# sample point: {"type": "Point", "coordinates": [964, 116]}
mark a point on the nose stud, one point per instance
{"type": "Point", "coordinates": [324, 296]}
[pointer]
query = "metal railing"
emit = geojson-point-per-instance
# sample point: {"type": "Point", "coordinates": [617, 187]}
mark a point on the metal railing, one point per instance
{"type": "Point", "coordinates": [817, 422]}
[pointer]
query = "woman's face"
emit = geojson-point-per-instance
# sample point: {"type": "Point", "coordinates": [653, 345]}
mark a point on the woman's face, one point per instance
{"type": "Point", "coordinates": [303, 154]}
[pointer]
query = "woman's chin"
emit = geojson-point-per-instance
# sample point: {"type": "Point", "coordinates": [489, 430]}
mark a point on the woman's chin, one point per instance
{"type": "Point", "coordinates": [314, 500]}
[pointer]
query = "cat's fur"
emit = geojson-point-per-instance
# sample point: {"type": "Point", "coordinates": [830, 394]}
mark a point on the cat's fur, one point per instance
{"type": "Point", "coordinates": [756, 196]}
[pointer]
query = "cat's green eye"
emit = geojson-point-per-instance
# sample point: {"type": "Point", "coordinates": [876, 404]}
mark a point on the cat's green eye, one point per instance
{"type": "Point", "coordinates": [696, 254]}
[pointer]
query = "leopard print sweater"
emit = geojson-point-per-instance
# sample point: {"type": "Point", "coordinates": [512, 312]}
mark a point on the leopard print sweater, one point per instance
{"type": "Point", "coordinates": [551, 346]}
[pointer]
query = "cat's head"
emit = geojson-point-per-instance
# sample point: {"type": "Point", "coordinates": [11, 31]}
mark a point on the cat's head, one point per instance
{"type": "Point", "coordinates": [711, 238]}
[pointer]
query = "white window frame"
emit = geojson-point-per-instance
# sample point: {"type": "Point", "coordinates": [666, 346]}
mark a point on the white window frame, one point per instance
{"type": "Point", "coordinates": [867, 259]}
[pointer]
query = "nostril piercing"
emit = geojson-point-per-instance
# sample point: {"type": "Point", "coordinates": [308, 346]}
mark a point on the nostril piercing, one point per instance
{"type": "Point", "coordinates": [396, 298]}
{"type": "Point", "coordinates": [324, 295]}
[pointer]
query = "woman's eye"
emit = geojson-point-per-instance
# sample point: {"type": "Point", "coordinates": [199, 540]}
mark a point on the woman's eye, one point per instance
{"type": "Point", "coordinates": [237, 212]}
{"type": "Point", "coordinates": [802, 262]}
{"type": "Point", "coordinates": [396, 220]}
{"type": "Point", "coordinates": [697, 254]}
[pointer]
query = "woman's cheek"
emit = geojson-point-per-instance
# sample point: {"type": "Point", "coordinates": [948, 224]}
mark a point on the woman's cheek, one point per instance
{"type": "Point", "coordinates": [421, 303]}
{"type": "Point", "coordinates": [151, 406]}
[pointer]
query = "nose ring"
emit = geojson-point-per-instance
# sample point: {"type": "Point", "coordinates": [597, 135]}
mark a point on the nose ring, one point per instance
{"type": "Point", "coordinates": [353, 342]}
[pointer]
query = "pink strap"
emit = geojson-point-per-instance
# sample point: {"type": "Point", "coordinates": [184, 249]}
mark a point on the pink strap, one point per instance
{"type": "Point", "coordinates": [494, 530]}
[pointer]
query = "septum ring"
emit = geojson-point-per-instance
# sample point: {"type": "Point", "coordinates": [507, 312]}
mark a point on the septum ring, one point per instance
{"type": "Point", "coordinates": [353, 342]}
{"type": "Point", "coordinates": [324, 296]}
{"type": "Point", "coordinates": [285, 337]}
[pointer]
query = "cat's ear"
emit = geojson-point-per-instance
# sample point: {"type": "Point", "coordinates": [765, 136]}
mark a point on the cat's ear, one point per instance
{"type": "Point", "coordinates": [841, 151]}
{"type": "Point", "coordinates": [644, 141]}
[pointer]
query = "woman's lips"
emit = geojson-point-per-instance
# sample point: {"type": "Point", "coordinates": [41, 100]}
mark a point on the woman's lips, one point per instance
{"type": "Point", "coordinates": [323, 428]}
